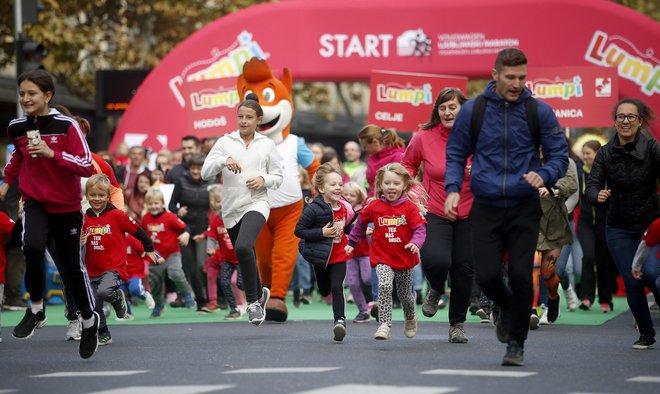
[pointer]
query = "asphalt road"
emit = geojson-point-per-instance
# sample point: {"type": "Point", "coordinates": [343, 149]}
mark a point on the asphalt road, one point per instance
{"type": "Point", "coordinates": [239, 358]}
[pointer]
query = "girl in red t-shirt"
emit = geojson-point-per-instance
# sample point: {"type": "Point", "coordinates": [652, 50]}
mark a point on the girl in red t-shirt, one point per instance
{"type": "Point", "coordinates": [322, 231]}
{"type": "Point", "coordinates": [399, 232]}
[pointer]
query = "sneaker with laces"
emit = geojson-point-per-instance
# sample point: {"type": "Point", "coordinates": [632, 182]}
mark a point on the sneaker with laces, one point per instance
{"type": "Point", "coordinates": [571, 299]}
{"type": "Point", "coordinates": [644, 342]}
{"type": "Point", "coordinates": [149, 300]}
{"type": "Point", "coordinates": [544, 316]}
{"type": "Point", "coordinates": [484, 314]}
{"type": "Point", "coordinates": [121, 309]}
{"type": "Point", "coordinates": [73, 330]}
{"type": "Point", "coordinates": [256, 313]}
{"type": "Point", "coordinates": [383, 332]}
{"type": "Point", "coordinates": [339, 330]}
{"type": "Point", "coordinates": [501, 329]}
{"type": "Point", "coordinates": [104, 337]}
{"type": "Point", "coordinates": [514, 355]}
{"type": "Point", "coordinates": [430, 305]}
{"type": "Point", "coordinates": [410, 327]}
{"type": "Point", "coordinates": [534, 320]}
{"type": "Point", "coordinates": [89, 339]}
{"type": "Point", "coordinates": [585, 305]}
{"type": "Point", "coordinates": [29, 323]}
{"type": "Point", "coordinates": [457, 334]}
{"type": "Point", "coordinates": [233, 315]}
{"type": "Point", "coordinates": [362, 317]}
{"type": "Point", "coordinates": [157, 311]}
{"type": "Point", "coordinates": [553, 309]}
{"type": "Point", "coordinates": [211, 307]}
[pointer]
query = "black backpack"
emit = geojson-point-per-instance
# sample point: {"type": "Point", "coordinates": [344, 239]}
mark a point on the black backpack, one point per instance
{"type": "Point", "coordinates": [479, 109]}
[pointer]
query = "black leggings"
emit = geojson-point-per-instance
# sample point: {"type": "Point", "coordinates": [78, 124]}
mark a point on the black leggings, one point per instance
{"type": "Point", "coordinates": [242, 236]}
{"type": "Point", "coordinates": [331, 280]}
{"type": "Point", "coordinates": [64, 229]}
{"type": "Point", "coordinates": [446, 251]}
{"type": "Point", "coordinates": [596, 256]}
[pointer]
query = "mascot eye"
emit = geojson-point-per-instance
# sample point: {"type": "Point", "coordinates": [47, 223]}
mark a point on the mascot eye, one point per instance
{"type": "Point", "coordinates": [269, 95]}
{"type": "Point", "coordinates": [246, 94]}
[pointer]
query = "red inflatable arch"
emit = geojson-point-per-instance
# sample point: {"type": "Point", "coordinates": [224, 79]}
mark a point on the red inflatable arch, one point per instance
{"type": "Point", "coordinates": [343, 40]}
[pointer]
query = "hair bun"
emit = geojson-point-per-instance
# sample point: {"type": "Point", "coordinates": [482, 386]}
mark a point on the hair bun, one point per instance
{"type": "Point", "coordinates": [253, 97]}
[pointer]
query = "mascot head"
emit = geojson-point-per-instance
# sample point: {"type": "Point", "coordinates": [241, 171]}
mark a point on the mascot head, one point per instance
{"type": "Point", "coordinates": [274, 97]}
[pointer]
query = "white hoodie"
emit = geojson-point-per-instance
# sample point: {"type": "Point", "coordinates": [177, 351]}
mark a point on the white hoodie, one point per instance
{"type": "Point", "coordinates": [260, 158]}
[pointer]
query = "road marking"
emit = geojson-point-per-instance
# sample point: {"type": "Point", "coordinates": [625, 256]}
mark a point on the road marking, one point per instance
{"type": "Point", "coordinates": [372, 389]}
{"type": "Point", "coordinates": [7, 391]}
{"type": "Point", "coordinates": [284, 370]}
{"type": "Point", "coordinates": [166, 389]}
{"type": "Point", "coordinates": [477, 372]}
{"type": "Point", "coordinates": [645, 379]}
{"type": "Point", "coordinates": [88, 374]}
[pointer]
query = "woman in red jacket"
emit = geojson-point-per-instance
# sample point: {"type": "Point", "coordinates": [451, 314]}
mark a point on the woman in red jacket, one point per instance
{"type": "Point", "coordinates": [51, 155]}
{"type": "Point", "coordinates": [446, 249]}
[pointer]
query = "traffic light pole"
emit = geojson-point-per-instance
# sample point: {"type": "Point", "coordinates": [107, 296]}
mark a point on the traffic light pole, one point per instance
{"type": "Point", "coordinates": [18, 22]}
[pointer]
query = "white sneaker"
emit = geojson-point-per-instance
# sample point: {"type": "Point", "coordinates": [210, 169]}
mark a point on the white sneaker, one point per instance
{"type": "Point", "coordinates": [544, 316]}
{"type": "Point", "coordinates": [383, 332]}
{"type": "Point", "coordinates": [410, 328]}
{"type": "Point", "coordinates": [73, 330]}
{"type": "Point", "coordinates": [571, 298]}
{"type": "Point", "coordinates": [149, 300]}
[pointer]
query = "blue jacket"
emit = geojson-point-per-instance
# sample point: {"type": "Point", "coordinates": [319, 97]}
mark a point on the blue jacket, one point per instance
{"type": "Point", "coordinates": [313, 246]}
{"type": "Point", "coordinates": [505, 151]}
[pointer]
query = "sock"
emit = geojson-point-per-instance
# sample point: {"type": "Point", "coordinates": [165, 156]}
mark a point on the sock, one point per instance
{"type": "Point", "coordinates": [87, 323]}
{"type": "Point", "coordinates": [36, 308]}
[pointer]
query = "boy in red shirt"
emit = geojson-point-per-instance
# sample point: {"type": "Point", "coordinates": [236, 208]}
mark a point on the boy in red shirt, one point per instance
{"type": "Point", "coordinates": [104, 250]}
{"type": "Point", "coordinates": [222, 257]}
{"type": "Point", "coordinates": [6, 229]}
{"type": "Point", "coordinates": [167, 231]}
{"type": "Point", "coordinates": [137, 269]}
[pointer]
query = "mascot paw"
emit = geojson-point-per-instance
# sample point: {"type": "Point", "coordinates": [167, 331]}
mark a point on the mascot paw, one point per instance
{"type": "Point", "coordinates": [276, 310]}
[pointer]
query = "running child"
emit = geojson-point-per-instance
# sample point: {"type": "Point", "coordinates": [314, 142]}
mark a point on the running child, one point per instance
{"type": "Point", "coordinates": [166, 231]}
{"type": "Point", "coordinates": [137, 269]}
{"type": "Point", "coordinates": [649, 241]}
{"type": "Point", "coordinates": [358, 269]}
{"type": "Point", "coordinates": [322, 229]}
{"type": "Point", "coordinates": [104, 249]}
{"type": "Point", "coordinates": [218, 243]}
{"type": "Point", "coordinates": [399, 232]}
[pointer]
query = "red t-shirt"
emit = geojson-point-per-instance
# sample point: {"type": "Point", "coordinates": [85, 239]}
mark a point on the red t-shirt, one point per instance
{"type": "Point", "coordinates": [164, 231]}
{"type": "Point", "coordinates": [218, 232]}
{"type": "Point", "coordinates": [105, 248]}
{"type": "Point", "coordinates": [136, 266]}
{"type": "Point", "coordinates": [339, 217]}
{"type": "Point", "coordinates": [393, 229]}
{"type": "Point", "coordinates": [6, 225]}
{"type": "Point", "coordinates": [652, 234]}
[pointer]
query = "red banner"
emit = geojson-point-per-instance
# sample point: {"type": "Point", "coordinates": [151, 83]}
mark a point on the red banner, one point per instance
{"type": "Point", "coordinates": [404, 100]}
{"type": "Point", "coordinates": [211, 106]}
{"type": "Point", "coordinates": [580, 96]}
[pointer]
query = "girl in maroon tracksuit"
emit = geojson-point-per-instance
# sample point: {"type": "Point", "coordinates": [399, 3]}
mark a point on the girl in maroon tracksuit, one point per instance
{"type": "Point", "coordinates": [51, 155]}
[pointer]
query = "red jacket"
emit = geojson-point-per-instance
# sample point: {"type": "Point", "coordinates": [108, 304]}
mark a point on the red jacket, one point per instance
{"type": "Point", "coordinates": [6, 225]}
{"type": "Point", "coordinates": [429, 146]}
{"type": "Point", "coordinates": [54, 183]}
{"type": "Point", "coordinates": [218, 232]}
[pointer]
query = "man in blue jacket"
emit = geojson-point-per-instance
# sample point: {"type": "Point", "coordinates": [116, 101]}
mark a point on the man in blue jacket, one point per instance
{"type": "Point", "coordinates": [506, 174]}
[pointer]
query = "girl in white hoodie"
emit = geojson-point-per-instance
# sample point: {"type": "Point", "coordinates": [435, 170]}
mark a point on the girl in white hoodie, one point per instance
{"type": "Point", "coordinates": [249, 164]}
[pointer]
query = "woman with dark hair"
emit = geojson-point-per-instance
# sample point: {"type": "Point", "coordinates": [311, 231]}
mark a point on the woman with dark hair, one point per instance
{"type": "Point", "coordinates": [446, 248]}
{"type": "Point", "coordinates": [249, 164]}
{"type": "Point", "coordinates": [135, 196]}
{"type": "Point", "coordinates": [624, 179]}
{"type": "Point", "coordinates": [49, 171]}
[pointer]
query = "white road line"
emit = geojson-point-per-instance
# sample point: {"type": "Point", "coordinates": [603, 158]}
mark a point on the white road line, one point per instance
{"type": "Point", "coordinates": [7, 391]}
{"type": "Point", "coordinates": [88, 374]}
{"type": "Point", "coordinates": [373, 389]}
{"type": "Point", "coordinates": [166, 389]}
{"type": "Point", "coordinates": [645, 379]}
{"type": "Point", "coordinates": [283, 370]}
{"type": "Point", "coordinates": [477, 372]}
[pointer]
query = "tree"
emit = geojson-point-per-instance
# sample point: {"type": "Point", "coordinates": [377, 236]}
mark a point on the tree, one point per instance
{"type": "Point", "coordinates": [82, 35]}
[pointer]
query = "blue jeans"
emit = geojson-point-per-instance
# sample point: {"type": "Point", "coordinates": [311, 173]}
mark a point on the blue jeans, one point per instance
{"type": "Point", "coordinates": [574, 253]}
{"type": "Point", "coordinates": [622, 244]}
{"type": "Point", "coordinates": [302, 275]}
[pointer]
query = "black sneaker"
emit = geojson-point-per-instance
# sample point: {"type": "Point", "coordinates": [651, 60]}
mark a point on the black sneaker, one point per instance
{"type": "Point", "coordinates": [104, 337]}
{"type": "Point", "coordinates": [89, 340]}
{"type": "Point", "coordinates": [374, 311]}
{"type": "Point", "coordinates": [121, 309]}
{"type": "Point", "coordinates": [644, 342]}
{"type": "Point", "coordinates": [340, 329]}
{"type": "Point", "coordinates": [29, 323]}
{"type": "Point", "coordinates": [362, 317]}
{"type": "Point", "coordinates": [553, 309]}
{"type": "Point", "coordinates": [514, 355]}
{"type": "Point", "coordinates": [500, 326]}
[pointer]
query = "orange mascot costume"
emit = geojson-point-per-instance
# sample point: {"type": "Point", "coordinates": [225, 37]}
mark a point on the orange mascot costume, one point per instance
{"type": "Point", "coordinates": [277, 247]}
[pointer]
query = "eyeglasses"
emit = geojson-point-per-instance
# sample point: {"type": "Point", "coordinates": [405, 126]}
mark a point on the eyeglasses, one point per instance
{"type": "Point", "coordinates": [620, 118]}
